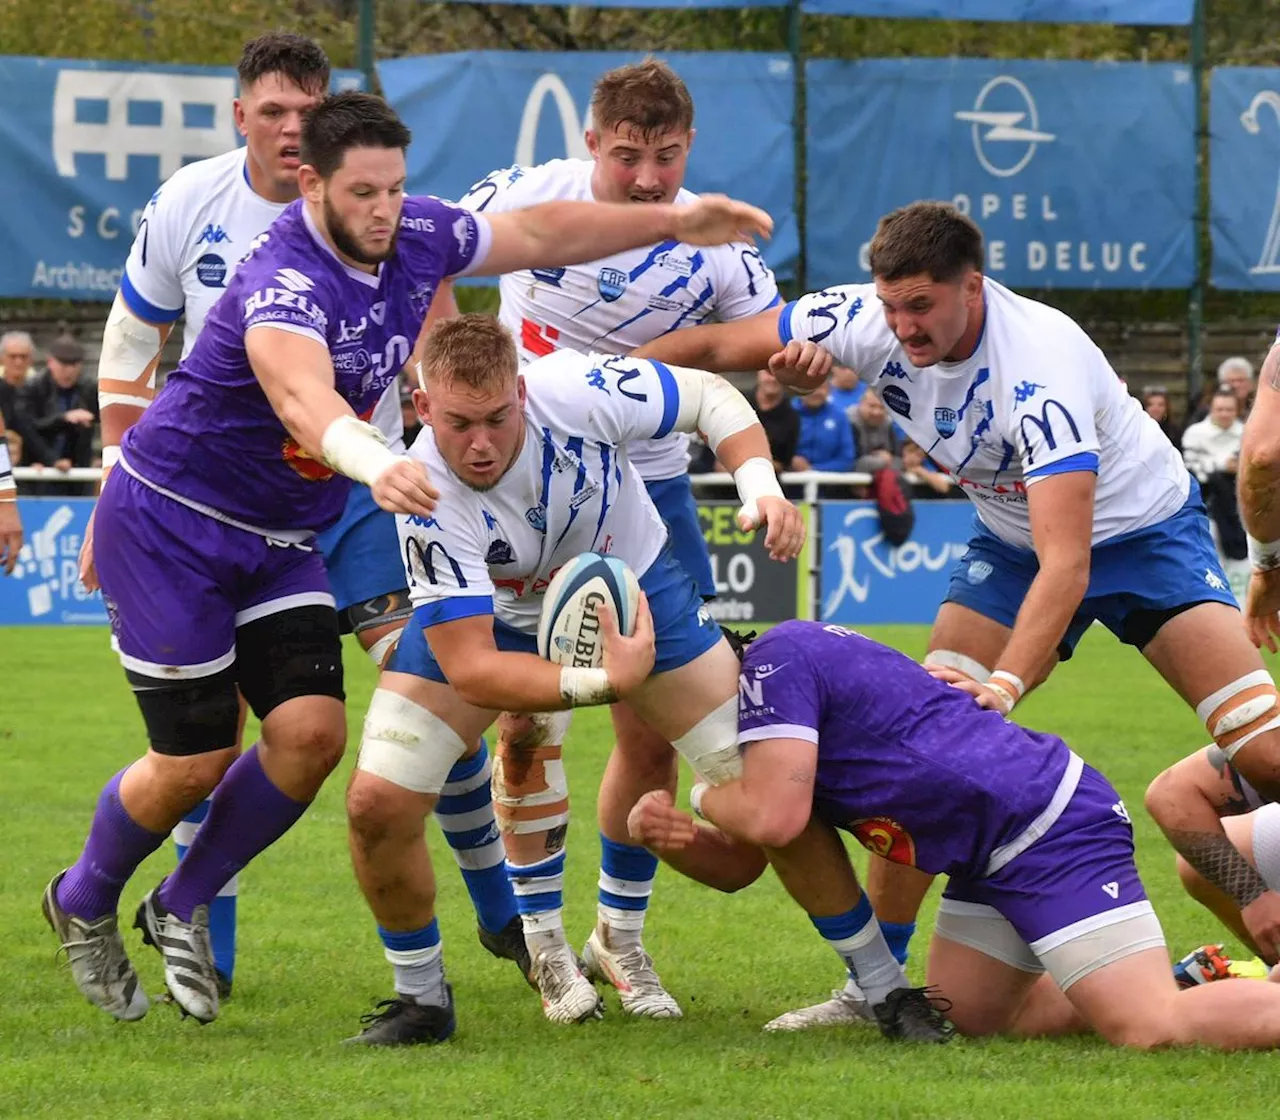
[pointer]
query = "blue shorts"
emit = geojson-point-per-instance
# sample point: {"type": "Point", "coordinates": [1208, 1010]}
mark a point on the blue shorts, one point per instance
{"type": "Point", "coordinates": [675, 502]}
{"type": "Point", "coordinates": [1137, 581]}
{"type": "Point", "coordinates": [683, 628]}
{"type": "Point", "coordinates": [362, 552]}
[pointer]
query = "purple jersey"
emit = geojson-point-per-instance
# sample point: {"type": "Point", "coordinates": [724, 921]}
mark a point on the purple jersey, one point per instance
{"type": "Point", "coordinates": [912, 767]}
{"type": "Point", "coordinates": [212, 438]}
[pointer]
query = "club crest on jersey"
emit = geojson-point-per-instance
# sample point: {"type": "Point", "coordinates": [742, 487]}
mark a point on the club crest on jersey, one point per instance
{"type": "Point", "coordinates": [211, 271]}
{"type": "Point", "coordinates": [611, 283]}
{"type": "Point", "coordinates": [896, 399]}
{"type": "Point", "coordinates": [945, 420]}
{"type": "Point", "coordinates": [886, 837]}
{"type": "Point", "coordinates": [537, 517]}
{"type": "Point", "coordinates": [499, 553]}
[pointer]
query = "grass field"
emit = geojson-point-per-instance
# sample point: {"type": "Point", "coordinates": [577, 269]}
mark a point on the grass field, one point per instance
{"type": "Point", "coordinates": [310, 962]}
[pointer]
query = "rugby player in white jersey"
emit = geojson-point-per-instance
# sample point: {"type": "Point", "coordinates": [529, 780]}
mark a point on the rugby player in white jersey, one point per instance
{"type": "Point", "coordinates": [1083, 510]}
{"type": "Point", "coordinates": [193, 234]}
{"type": "Point", "coordinates": [10, 522]}
{"type": "Point", "coordinates": [533, 470]}
{"type": "Point", "coordinates": [641, 130]}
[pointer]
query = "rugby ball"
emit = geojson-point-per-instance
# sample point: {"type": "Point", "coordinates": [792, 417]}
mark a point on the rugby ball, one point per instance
{"type": "Point", "coordinates": [569, 631]}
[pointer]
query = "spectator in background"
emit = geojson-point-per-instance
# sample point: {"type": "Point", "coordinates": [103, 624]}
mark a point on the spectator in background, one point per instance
{"type": "Point", "coordinates": [846, 389]}
{"type": "Point", "coordinates": [826, 438]}
{"type": "Point", "coordinates": [780, 420]}
{"type": "Point", "coordinates": [927, 481]}
{"type": "Point", "coordinates": [16, 352]}
{"type": "Point", "coordinates": [1211, 449]}
{"type": "Point", "coordinates": [877, 442]}
{"type": "Point", "coordinates": [1237, 374]}
{"type": "Point", "coordinates": [1156, 403]}
{"type": "Point", "coordinates": [63, 409]}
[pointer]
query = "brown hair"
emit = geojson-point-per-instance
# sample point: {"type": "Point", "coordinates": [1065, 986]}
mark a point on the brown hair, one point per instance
{"type": "Point", "coordinates": [926, 237]}
{"type": "Point", "coordinates": [474, 350]}
{"type": "Point", "coordinates": [648, 95]}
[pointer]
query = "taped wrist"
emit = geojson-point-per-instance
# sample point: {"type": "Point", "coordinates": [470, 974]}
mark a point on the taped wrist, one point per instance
{"type": "Point", "coordinates": [356, 449]}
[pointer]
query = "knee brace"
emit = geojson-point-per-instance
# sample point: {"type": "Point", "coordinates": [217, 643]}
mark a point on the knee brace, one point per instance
{"type": "Point", "coordinates": [1241, 711]}
{"type": "Point", "coordinates": [711, 745]}
{"type": "Point", "coordinates": [406, 744]}
{"type": "Point", "coordinates": [949, 659]}
{"type": "Point", "coordinates": [530, 792]}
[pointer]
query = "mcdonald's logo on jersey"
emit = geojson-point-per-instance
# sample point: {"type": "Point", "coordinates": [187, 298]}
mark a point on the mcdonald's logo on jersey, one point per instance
{"type": "Point", "coordinates": [1045, 425]}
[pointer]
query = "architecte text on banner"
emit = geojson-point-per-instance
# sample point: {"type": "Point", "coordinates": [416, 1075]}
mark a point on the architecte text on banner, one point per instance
{"type": "Point", "coordinates": [1081, 174]}
{"type": "Point", "coordinates": [92, 142]}
{"type": "Point", "coordinates": [480, 111]}
{"type": "Point", "coordinates": [1244, 178]}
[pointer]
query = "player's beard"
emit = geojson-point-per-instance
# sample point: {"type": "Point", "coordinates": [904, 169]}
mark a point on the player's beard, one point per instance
{"type": "Point", "coordinates": [345, 241]}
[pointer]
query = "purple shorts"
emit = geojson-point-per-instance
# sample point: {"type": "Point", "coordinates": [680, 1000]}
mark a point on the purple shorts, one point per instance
{"type": "Point", "coordinates": [177, 583]}
{"type": "Point", "coordinates": [1082, 868]}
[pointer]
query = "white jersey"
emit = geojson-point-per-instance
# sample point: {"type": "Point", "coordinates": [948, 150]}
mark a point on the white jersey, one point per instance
{"type": "Point", "coordinates": [1036, 398]}
{"type": "Point", "coordinates": [193, 235]}
{"type": "Point", "coordinates": [571, 490]}
{"type": "Point", "coordinates": [614, 305]}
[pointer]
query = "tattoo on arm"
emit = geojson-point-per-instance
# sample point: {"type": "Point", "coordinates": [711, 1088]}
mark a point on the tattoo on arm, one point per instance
{"type": "Point", "coordinates": [1217, 859]}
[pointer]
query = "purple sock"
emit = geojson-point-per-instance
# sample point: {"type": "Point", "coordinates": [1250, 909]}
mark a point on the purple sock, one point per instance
{"type": "Point", "coordinates": [247, 815]}
{"type": "Point", "coordinates": [116, 845]}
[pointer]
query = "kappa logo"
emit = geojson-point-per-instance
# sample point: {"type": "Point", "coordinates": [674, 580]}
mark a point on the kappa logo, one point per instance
{"type": "Point", "coordinates": [894, 369]}
{"type": "Point", "coordinates": [1025, 391]}
{"type": "Point", "coordinates": [611, 283]}
{"type": "Point", "coordinates": [212, 234]}
{"type": "Point", "coordinates": [1003, 143]}
{"type": "Point", "coordinates": [979, 571]}
{"type": "Point", "coordinates": [294, 280]}
{"type": "Point", "coordinates": [462, 234]}
{"type": "Point", "coordinates": [854, 308]}
{"type": "Point", "coordinates": [945, 420]}
{"type": "Point", "coordinates": [1214, 580]}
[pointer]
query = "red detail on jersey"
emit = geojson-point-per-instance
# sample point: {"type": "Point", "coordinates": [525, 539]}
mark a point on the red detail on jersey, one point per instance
{"type": "Point", "coordinates": [886, 837]}
{"type": "Point", "coordinates": [518, 585]}
{"type": "Point", "coordinates": [306, 465]}
{"type": "Point", "coordinates": [538, 339]}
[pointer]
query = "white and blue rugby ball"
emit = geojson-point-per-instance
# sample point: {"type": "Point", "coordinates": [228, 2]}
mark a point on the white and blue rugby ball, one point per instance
{"type": "Point", "coordinates": [569, 631]}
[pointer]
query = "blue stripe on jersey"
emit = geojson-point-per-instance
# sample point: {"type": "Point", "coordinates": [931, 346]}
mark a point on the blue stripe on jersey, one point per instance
{"type": "Point", "coordinates": [670, 399]}
{"type": "Point", "coordinates": [1084, 461]}
{"type": "Point", "coordinates": [777, 299]}
{"type": "Point", "coordinates": [449, 610]}
{"type": "Point", "coordinates": [652, 258]}
{"type": "Point", "coordinates": [604, 498]}
{"type": "Point", "coordinates": [784, 323]}
{"type": "Point", "coordinates": [548, 461]}
{"type": "Point", "coordinates": [141, 307]}
{"type": "Point", "coordinates": [574, 447]}
{"type": "Point", "coordinates": [707, 292]}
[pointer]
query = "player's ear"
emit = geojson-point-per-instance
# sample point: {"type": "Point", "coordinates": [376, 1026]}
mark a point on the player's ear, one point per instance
{"type": "Point", "coordinates": [237, 110]}
{"type": "Point", "coordinates": [310, 184]}
{"type": "Point", "coordinates": [973, 287]}
{"type": "Point", "coordinates": [422, 406]}
{"type": "Point", "coordinates": [520, 388]}
{"type": "Point", "coordinates": [592, 138]}
{"type": "Point", "coordinates": [688, 147]}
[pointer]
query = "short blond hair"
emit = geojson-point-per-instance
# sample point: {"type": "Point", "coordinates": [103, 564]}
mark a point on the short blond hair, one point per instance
{"type": "Point", "coordinates": [474, 350]}
{"type": "Point", "coordinates": [648, 95]}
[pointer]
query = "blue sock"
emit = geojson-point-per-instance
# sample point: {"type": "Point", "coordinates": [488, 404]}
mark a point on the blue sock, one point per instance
{"type": "Point", "coordinates": [222, 911]}
{"type": "Point", "coordinates": [417, 957]}
{"type": "Point", "coordinates": [539, 891]}
{"type": "Point", "coordinates": [465, 813]}
{"type": "Point", "coordinates": [898, 935]}
{"type": "Point", "coordinates": [626, 882]}
{"type": "Point", "coordinates": [855, 936]}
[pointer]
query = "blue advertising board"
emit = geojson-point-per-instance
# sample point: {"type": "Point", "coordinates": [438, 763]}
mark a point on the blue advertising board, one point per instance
{"type": "Point", "coordinates": [864, 580]}
{"type": "Point", "coordinates": [93, 141]}
{"type": "Point", "coordinates": [45, 587]}
{"type": "Point", "coordinates": [1081, 174]}
{"type": "Point", "coordinates": [479, 111]}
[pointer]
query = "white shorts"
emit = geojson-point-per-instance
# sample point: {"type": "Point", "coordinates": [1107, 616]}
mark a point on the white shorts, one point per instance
{"type": "Point", "coordinates": [1266, 844]}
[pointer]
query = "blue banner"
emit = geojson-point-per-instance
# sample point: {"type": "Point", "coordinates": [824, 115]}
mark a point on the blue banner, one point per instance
{"type": "Point", "coordinates": [90, 143]}
{"type": "Point", "coordinates": [1165, 12]}
{"type": "Point", "coordinates": [475, 112]}
{"type": "Point", "coordinates": [1081, 174]}
{"type": "Point", "coordinates": [863, 580]}
{"type": "Point", "coordinates": [1244, 177]}
{"type": "Point", "coordinates": [45, 588]}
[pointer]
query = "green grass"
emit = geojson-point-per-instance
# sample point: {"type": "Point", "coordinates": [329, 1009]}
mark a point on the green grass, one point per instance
{"type": "Point", "coordinates": [310, 962]}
